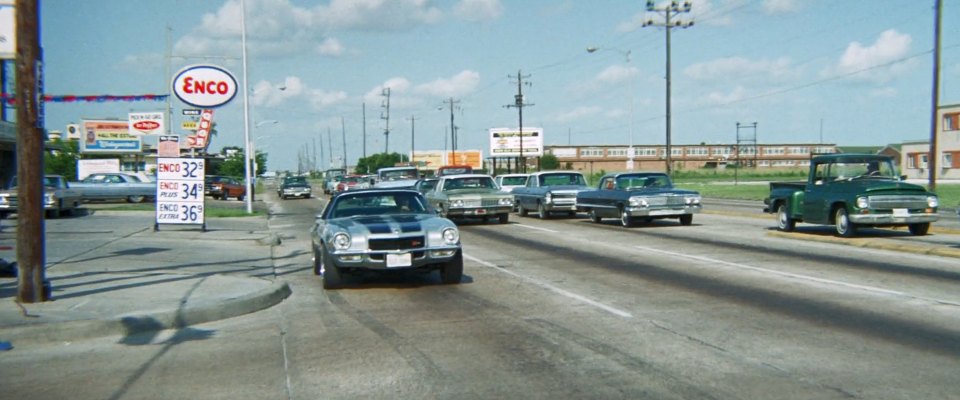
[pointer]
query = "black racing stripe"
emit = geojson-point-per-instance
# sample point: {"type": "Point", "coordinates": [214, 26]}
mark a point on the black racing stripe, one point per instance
{"type": "Point", "coordinates": [375, 223]}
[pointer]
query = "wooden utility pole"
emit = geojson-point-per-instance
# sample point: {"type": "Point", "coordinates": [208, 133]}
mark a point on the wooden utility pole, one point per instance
{"type": "Point", "coordinates": [30, 224]}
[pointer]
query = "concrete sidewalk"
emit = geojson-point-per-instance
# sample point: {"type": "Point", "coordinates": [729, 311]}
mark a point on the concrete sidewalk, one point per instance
{"type": "Point", "coordinates": [111, 274]}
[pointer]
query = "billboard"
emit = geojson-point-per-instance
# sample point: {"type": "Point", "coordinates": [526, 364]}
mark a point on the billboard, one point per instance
{"type": "Point", "coordinates": [473, 158]}
{"type": "Point", "coordinates": [506, 142]}
{"type": "Point", "coordinates": [8, 30]}
{"type": "Point", "coordinates": [147, 123]}
{"type": "Point", "coordinates": [108, 136]}
{"type": "Point", "coordinates": [428, 159]}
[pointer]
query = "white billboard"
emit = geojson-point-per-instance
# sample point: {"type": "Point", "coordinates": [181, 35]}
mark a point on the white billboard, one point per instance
{"type": "Point", "coordinates": [506, 142]}
{"type": "Point", "coordinates": [8, 30]}
{"type": "Point", "coordinates": [146, 123]}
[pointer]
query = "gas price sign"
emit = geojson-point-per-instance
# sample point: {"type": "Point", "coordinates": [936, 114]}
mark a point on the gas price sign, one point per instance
{"type": "Point", "coordinates": [180, 191]}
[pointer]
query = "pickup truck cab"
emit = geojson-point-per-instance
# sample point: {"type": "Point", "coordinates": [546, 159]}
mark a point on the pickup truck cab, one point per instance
{"type": "Point", "coordinates": [548, 192]}
{"type": "Point", "coordinates": [639, 197]}
{"type": "Point", "coordinates": [850, 191]}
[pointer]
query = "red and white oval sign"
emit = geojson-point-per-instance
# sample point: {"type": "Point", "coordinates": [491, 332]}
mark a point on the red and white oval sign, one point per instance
{"type": "Point", "coordinates": [146, 125]}
{"type": "Point", "coordinates": [205, 86]}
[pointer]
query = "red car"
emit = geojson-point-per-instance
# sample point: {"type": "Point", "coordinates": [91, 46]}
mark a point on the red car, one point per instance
{"type": "Point", "coordinates": [223, 187]}
{"type": "Point", "coordinates": [351, 182]}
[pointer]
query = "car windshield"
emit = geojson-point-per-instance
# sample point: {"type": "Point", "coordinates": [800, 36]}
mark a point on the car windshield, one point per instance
{"type": "Point", "coordinates": [635, 182]}
{"type": "Point", "coordinates": [872, 169]}
{"type": "Point", "coordinates": [561, 179]}
{"type": "Point", "coordinates": [513, 181]}
{"type": "Point", "coordinates": [478, 182]}
{"type": "Point", "coordinates": [361, 204]}
{"type": "Point", "coordinates": [297, 180]}
{"type": "Point", "coordinates": [398, 174]}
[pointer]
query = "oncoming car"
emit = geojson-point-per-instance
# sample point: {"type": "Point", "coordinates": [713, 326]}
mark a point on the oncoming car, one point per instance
{"type": "Point", "coordinates": [380, 230]}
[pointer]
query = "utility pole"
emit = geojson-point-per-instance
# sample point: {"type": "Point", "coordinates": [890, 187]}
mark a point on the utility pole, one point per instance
{"type": "Point", "coordinates": [343, 132]}
{"type": "Point", "coordinates": [413, 121]}
{"type": "Point", "coordinates": [453, 132]}
{"type": "Point", "coordinates": [330, 147]}
{"type": "Point", "coordinates": [29, 89]}
{"type": "Point", "coordinates": [668, 11]}
{"type": "Point", "coordinates": [365, 132]}
{"type": "Point", "coordinates": [519, 104]}
{"type": "Point", "coordinates": [932, 158]}
{"type": "Point", "coordinates": [385, 115]}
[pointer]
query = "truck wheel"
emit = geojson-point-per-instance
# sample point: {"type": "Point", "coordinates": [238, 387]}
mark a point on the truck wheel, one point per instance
{"type": "Point", "coordinates": [594, 217]}
{"type": "Point", "coordinates": [919, 229]}
{"type": "Point", "coordinates": [135, 199]}
{"type": "Point", "coordinates": [784, 222]}
{"type": "Point", "coordinates": [625, 219]}
{"type": "Point", "coordinates": [686, 219]}
{"type": "Point", "coordinates": [844, 227]}
{"type": "Point", "coordinates": [452, 271]}
{"type": "Point", "coordinates": [542, 210]}
{"type": "Point", "coordinates": [521, 210]}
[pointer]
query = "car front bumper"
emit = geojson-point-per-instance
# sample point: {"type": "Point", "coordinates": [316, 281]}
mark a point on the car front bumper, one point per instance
{"type": "Point", "coordinates": [295, 193]}
{"type": "Point", "coordinates": [479, 211]}
{"type": "Point", "coordinates": [393, 259]}
{"type": "Point", "coordinates": [663, 211]}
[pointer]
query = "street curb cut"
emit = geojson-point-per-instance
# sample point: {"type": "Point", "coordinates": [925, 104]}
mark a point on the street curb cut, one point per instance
{"type": "Point", "coordinates": [153, 321]}
{"type": "Point", "coordinates": [870, 244]}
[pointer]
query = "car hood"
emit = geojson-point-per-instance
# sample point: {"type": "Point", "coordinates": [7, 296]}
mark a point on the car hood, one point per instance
{"type": "Point", "coordinates": [567, 188]}
{"type": "Point", "coordinates": [395, 224]}
{"type": "Point", "coordinates": [874, 186]}
{"type": "Point", "coordinates": [661, 191]}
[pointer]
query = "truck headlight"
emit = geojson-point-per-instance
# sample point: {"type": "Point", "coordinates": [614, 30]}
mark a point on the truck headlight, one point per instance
{"type": "Point", "coordinates": [933, 202]}
{"type": "Point", "coordinates": [506, 201]}
{"type": "Point", "coordinates": [451, 236]}
{"type": "Point", "coordinates": [692, 201]}
{"type": "Point", "coordinates": [638, 202]}
{"type": "Point", "coordinates": [548, 197]}
{"type": "Point", "coordinates": [456, 203]}
{"type": "Point", "coordinates": [341, 241]}
{"type": "Point", "coordinates": [863, 202]}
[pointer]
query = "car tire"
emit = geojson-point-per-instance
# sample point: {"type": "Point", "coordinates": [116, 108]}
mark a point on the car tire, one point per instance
{"type": "Point", "coordinates": [317, 262]}
{"type": "Point", "coordinates": [920, 229]}
{"type": "Point", "coordinates": [240, 197]}
{"type": "Point", "coordinates": [136, 199]}
{"type": "Point", "coordinates": [215, 197]}
{"type": "Point", "coordinates": [594, 217]}
{"type": "Point", "coordinates": [504, 218]}
{"type": "Point", "coordinates": [625, 219]}
{"type": "Point", "coordinates": [331, 273]}
{"type": "Point", "coordinates": [451, 272]}
{"type": "Point", "coordinates": [522, 210]}
{"type": "Point", "coordinates": [784, 222]}
{"type": "Point", "coordinates": [842, 224]}
{"type": "Point", "coordinates": [542, 211]}
{"type": "Point", "coordinates": [685, 220]}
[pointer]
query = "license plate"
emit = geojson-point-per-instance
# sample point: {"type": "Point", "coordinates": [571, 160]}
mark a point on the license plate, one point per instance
{"type": "Point", "coordinates": [399, 260]}
{"type": "Point", "coordinates": [901, 212]}
{"type": "Point", "coordinates": [481, 211]}
{"type": "Point", "coordinates": [662, 212]}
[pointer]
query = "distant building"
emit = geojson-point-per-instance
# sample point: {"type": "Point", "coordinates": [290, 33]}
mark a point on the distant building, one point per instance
{"type": "Point", "coordinates": [915, 161]}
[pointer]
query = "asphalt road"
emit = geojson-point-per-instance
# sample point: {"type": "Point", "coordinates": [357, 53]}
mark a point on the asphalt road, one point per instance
{"type": "Point", "coordinates": [565, 308]}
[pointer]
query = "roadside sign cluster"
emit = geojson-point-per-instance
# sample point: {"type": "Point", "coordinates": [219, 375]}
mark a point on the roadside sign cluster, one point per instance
{"type": "Point", "coordinates": [180, 191]}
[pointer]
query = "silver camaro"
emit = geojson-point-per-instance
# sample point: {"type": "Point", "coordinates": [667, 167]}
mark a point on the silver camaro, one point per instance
{"type": "Point", "coordinates": [383, 229]}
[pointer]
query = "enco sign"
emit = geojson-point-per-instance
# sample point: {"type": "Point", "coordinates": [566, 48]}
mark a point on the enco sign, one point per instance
{"type": "Point", "coordinates": [205, 86]}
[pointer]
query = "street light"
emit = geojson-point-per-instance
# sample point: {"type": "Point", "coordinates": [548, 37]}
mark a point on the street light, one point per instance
{"type": "Point", "coordinates": [626, 54]}
{"type": "Point", "coordinates": [253, 151]}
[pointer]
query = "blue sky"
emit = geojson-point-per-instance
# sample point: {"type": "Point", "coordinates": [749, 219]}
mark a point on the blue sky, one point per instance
{"type": "Point", "coordinates": [857, 72]}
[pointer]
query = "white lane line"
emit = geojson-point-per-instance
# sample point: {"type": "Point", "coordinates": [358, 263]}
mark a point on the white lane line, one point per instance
{"type": "Point", "coordinates": [554, 289]}
{"type": "Point", "coordinates": [796, 276]}
{"type": "Point", "coordinates": [537, 228]}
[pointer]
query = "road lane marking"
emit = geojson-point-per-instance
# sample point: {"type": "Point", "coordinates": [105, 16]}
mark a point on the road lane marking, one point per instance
{"type": "Point", "coordinates": [554, 289]}
{"type": "Point", "coordinates": [537, 228]}
{"type": "Point", "coordinates": [796, 276]}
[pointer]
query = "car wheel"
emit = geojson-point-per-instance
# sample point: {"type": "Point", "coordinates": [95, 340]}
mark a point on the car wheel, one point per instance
{"type": "Point", "coordinates": [452, 271]}
{"type": "Point", "coordinates": [504, 218]}
{"type": "Point", "coordinates": [522, 210]}
{"type": "Point", "coordinates": [594, 217]}
{"type": "Point", "coordinates": [330, 272]}
{"type": "Point", "coordinates": [784, 222]}
{"type": "Point", "coordinates": [240, 197]}
{"type": "Point", "coordinates": [625, 219]}
{"type": "Point", "coordinates": [317, 262]}
{"type": "Point", "coordinates": [51, 214]}
{"type": "Point", "coordinates": [542, 210]}
{"type": "Point", "coordinates": [686, 219]}
{"type": "Point", "coordinates": [307, 196]}
{"type": "Point", "coordinates": [215, 197]}
{"type": "Point", "coordinates": [135, 199]}
{"type": "Point", "coordinates": [844, 227]}
{"type": "Point", "coordinates": [919, 229]}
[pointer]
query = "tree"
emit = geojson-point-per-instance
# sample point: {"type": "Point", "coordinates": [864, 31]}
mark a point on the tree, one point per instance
{"type": "Point", "coordinates": [233, 165]}
{"type": "Point", "coordinates": [63, 161]}
{"type": "Point", "coordinates": [374, 162]}
{"type": "Point", "coordinates": [549, 161]}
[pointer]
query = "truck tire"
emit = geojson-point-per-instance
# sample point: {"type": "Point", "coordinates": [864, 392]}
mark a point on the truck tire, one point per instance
{"type": "Point", "coordinates": [919, 229]}
{"type": "Point", "coordinates": [842, 223]}
{"type": "Point", "coordinates": [784, 222]}
{"type": "Point", "coordinates": [521, 209]}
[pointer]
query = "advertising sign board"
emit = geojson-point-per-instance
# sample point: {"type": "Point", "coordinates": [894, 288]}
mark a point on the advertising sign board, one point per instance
{"type": "Point", "coordinates": [146, 123]}
{"type": "Point", "coordinates": [200, 139]}
{"type": "Point", "coordinates": [473, 158]}
{"type": "Point", "coordinates": [97, 166]}
{"type": "Point", "coordinates": [168, 146]}
{"type": "Point", "coordinates": [180, 191]}
{"type": "Point", "coordinates": [107, 136]}
{"type": "Point", "coordinates": [204, 86]}
{"type": "Point", "coordinates": [8, 30]}
{"type": "Point", "coordinates": [506, 142]}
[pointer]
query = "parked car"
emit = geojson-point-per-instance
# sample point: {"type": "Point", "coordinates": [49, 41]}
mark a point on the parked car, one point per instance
{"type": "Point", "coordinates": [548, 192]}
{"type": "Point", "coordinates": [380, 230]}
{"type": "Point", "coordinates": [225, 187]}
{"type": "Point", "coordinates": [58, 197]}
{"type": "Point", "coordinates": [294, 186]}
{"type": "Point", "coordinates": [351, 182]}
{"type": "Point", "coordinates": [458, 196]}
{"type": "Point", "coordinates": [111, 186]}
{"type": "Point", "coordinates": [425, 185]}
{"type": "Point", "coordinates": [331, 178]}
{"type": "Point", "coordinates": [507, 182]}
{"type": "Point", "coordinates": [852, 190]}
{"type": "Point", "coordinates": [639, 196]}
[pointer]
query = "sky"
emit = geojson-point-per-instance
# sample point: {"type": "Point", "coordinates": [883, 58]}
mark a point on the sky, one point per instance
{"type": "Point", "coordinates": [852, 72]}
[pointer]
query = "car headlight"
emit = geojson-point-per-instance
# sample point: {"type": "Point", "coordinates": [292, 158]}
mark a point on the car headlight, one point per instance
{"type": "Point", "coordinates": [638, 202]}
{"type": "Point", "coordinates": [341, 241]}
{"type": "Point", "coordinates": [456, 203]}
{"type": "Point", "coordinates": [933, 202]}
{"type": "Point", "coordinates": [692, 201]}
{"type": "Point", "coordinates": [548, 197]}
{"type": "Point", "coordinates": [863, 202]}
{"type": "Point", "coordinates": [49, 198]}
{"type": "Point", "coordinates": [451, 236]}
{"type": "Point", "coordinates": [506, 201]}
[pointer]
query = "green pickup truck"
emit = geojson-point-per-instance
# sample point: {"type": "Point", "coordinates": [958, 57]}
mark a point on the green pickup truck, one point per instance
{"type": "Point", "coordinates": [849, 191]}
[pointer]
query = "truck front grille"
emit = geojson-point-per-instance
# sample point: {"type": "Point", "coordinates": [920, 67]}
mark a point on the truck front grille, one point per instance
{"type": "Point", "coordinates": [887, 202]}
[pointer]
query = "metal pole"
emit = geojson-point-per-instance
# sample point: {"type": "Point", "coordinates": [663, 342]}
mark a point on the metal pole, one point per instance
{"type": "Point", "coordinates": [669, 149]}
{"type": "Point", "coordinates": [932, 162]}
{"type": "Point", "coordinates": [246, 108]}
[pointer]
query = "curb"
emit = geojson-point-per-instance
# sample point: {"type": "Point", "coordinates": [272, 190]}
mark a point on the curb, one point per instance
{"type": "Point", "coordinates": [872, 244]}
{"type": "Point", "coordinates": [148, 322]}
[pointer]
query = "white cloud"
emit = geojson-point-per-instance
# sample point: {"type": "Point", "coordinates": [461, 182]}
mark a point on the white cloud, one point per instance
{"type": "Point", "coordinates": [377, 15]}
{"type": "Point", "coordinates": [330, 47]}
{"type": "Point", "coordinates": [578, 113]}
{"type": "Point", "coordinates": [718, 98]}
{"type": "Point", "coordinates": [458, 85]}
{"type": "Point", "coordinates": [866, 62]}
{"type": "Point", "coordinates": [617, 74]}
{"type": "Point", "coordinates": [780, 6]}
{"type": "Point", "coordinates": [478, 10]}
{"type": "Point", "coordinates": [731, 68]}
{"type": "Point", "coordinates": [293, 90]}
